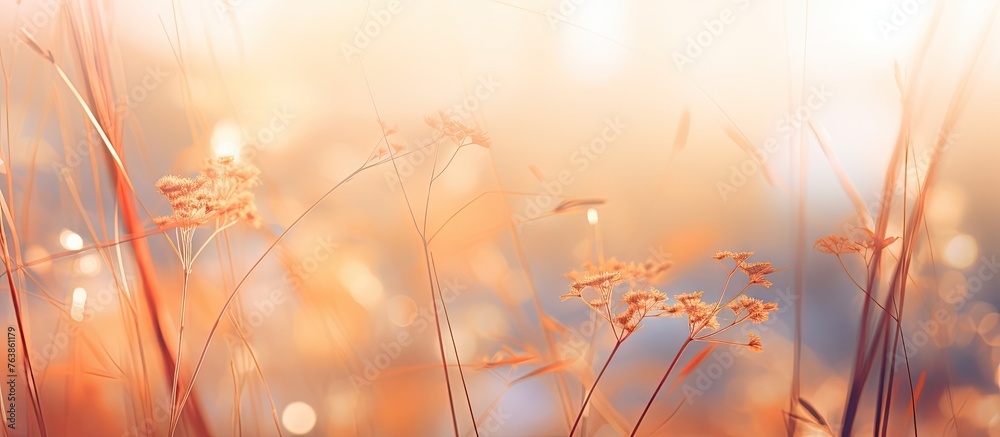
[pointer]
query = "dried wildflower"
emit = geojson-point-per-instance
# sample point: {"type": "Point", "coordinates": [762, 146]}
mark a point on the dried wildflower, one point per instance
{"type": "Point", "coordinates": [755, 343]}
{"type": "Point", "coordinates": [458, 131]}
{"type": "Point", "coordinates": [757, 273]}
{"type": "Point", "coordinates": [222, 192]}
{"type": "Point", "coordinates": [649, 271]}
{"type": "Point", "coordinates": [598, 280]}
{"type": "Point", "coordinates": [231, 185]}
{"type": "Point", "coordinates": [761, 268]}
{"type": "Point", "coordinates": [190, 199]}
{"type": "Point", "coordinates": [836, 244]}
{"type": "Point", "coordinates": [652, 270]}
{"type": "Point", "coordinates": [700, 314]}
{"type": "Point", "coordinates": [756, 310]}
{"type": "Point", "coordinates": [703, 315]}
{"type": "Point", "coordinates": [638, 302]}
{"type": "Point", "coordinates": [839, 245]}
{"type": "Point", "coordinates": [739, 257]}
{"type": "Point", "coordinates": [627, 320]}
{"type": "Point", "coordinates": [589, 269]}
{"type": "Point", "coordinates": [869, 241]}
{"type": "Point", "coordinates": [603, 282]}
{"type": "Point", "coordinates": [388, 129]}
{"type": "Point", "coordinates": [638, 305]}
{"type": "Point", "coordinates": [643, 298]}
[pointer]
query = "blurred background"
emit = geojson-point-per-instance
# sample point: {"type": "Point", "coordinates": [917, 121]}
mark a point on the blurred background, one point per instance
{"type": "Point", "coordinates": [688, 128]}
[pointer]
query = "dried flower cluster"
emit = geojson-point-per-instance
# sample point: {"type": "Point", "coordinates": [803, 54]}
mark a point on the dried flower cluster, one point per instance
{"type": "Point", "coordinates": [648, 272]}
{"type": "Point", "coordinates": [640, 302]}
{"type": "Point", "coordinates": [755, 344]}
{"type": "Point", "coordinates": [221, 192]}
{"type": "Point", "coordinates": [700, 314]}
{"type": "Point", "coordinates": [459, 132]}
{"type": "Point", "coordinates": [190, 199]}
{"type": "Point", "coordinates": [756, 310]}
{"type": "Point", "coordinates": [757, 273]}
{"type": "Point", "coordinates": [739, 257]}
{"type": "Point", "coordinates": [704, 316]}
{"type": "Point", "coordinates": [381, 151]}
{"type": "Point", "coordinates": [637, 302]}
{"type": "Point", "coordinates": [839, 245]}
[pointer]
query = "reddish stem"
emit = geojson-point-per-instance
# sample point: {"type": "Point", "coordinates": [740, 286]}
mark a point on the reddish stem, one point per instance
{"type": "Point", "coordinates": [658, 387]}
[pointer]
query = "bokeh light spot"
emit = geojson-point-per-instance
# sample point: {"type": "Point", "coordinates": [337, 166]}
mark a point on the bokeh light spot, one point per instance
{"type": "Point", "coordinates": [70, 240]}
{"type": "Point", "coordinates": [961, 251]}
{"type": "Point", "coordinates": [402, 311]}
{"type": "Point", "coordinates": [298, 418]}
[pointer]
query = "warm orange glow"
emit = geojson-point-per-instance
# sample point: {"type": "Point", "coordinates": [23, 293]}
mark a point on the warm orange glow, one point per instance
{"type": "Point", "coordinates": [500, 217]}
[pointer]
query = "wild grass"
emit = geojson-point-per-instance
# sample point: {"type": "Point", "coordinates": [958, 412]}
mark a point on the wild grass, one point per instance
{"type": "Point", "coordinates": [143, 356]}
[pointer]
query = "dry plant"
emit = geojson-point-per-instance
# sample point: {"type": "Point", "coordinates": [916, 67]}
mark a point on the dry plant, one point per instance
{"type": "Point", "coordinates": [461, 135]}
{"type": "Point", "coordinates": [220, 195]}
{"type": "Point", "coordinates": [888, 278]}
{"type": "Point", "coordinates": [621, 294]}
{"type": "Point", "coordinates": [625, 314]}
{"type": "Point", "coordinates": [638, 301]}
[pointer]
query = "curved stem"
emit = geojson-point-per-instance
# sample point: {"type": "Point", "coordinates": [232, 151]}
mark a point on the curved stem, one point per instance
{"type": "Point", "coordinates": [735, 322]}
{"type": "Point", "coordinates": [593, 387]}
{"type": "Point", "coordinates": [210, 238]}
{"type": "Point", "coordinates": [448, 164]}
{"type": "Point", "coordinates": [660, 385]}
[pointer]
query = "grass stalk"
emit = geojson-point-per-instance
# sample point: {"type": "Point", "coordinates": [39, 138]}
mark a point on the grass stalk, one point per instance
{"type": "Point", "coordinates": [593, 387]}
{"type": "Point", "coordinates": [659, 386]}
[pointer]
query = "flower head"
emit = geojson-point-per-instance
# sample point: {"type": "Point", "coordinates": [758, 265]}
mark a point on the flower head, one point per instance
{"type": "Point", "coordinates": [645, 299]}
{"type": "Point", "coordinates": [638, 302]}
{"type": "Point", "coordinates": [700, 314]}
{"type": "Point", "coordinates": [756, 310]}
{"type": "Point", "coordinates": [739, 257]}
{"type": "Point", "coordinates": [231, 185]}
{"type": "Point", "coordinates": [190, 199]}
{"type": "Point", "coordinates": [221, 192]}
{"type": "Point", "coordinates": [627, 320]}
{"type": "Point", "coordinates": [839, 245]}
{"type": "Point", "coordinates": [836, 244]}
{"type": "Point", "coordinates": [871, 242]}
{"type": "Point", "coordinates": [646, 272]}
{"type": "Point", "coordinates": [458, 131]}
{"type": "Point", "coordinates": [755, 343]}
{"type": "Point", "coordinates": [597, 280]}
{"type": "Point", "coordinates": [603, 282]}
{"type": "Point", "coordinates": [757, 272]}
